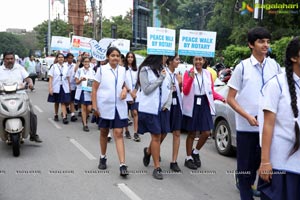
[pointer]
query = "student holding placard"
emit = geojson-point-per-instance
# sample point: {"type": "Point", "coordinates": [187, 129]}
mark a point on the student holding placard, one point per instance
{"type": "Point", "coordinates": [108, 98]}
{"type": "Point", "coordinates": [198, 108]}
{"type": "Point", "coordinates": [84, 78]}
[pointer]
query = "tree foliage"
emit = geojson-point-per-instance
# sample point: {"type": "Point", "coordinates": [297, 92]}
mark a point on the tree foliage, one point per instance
{"type": "Point", "coordinates": [10, 42]}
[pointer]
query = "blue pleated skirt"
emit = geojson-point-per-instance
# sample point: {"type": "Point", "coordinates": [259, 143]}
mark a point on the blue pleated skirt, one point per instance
{"type": "Point", "coordinates": [115, 123]}
{"type": "Point", "coordinates": [133, 106]}
{"type": "Point", "coordinates": [175, 115]}
{"type": "Point", "coordinates": [60, 97]}
{"type": "Point", "coordinates": [284, 185]}
{"type": "Point", "coordinates": [201, 119]}
{"type": "Point", "coordinates": [82, 100]}
{"type": "Point", "coordinates": [154, 124]}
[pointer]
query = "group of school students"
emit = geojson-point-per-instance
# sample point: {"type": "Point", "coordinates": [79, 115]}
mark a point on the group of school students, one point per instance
{"type": "Point", "coordinates": [266, 101]}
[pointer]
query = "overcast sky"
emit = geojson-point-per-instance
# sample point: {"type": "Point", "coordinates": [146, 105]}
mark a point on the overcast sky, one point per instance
{"type": "Point", "coordinates": [27, 14]}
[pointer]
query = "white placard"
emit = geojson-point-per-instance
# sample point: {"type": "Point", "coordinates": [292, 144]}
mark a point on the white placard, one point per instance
{"type": "Point", "coordinates": [122, 44]}
{"type": "Point", "coordinates": [99, 49]}
{"type": "Point", "coordinates": [80, 44]}
{"type": "Point", "coordinates": [197, 43]}
{"type": "Point", "coordinates": [160, 41]}
{"type": "Point", "coordinates": [59, 43]}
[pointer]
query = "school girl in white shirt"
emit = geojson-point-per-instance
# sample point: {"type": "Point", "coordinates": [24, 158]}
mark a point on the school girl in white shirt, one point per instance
{"type": "Point", "coordinates": [280, 156]}
{"type": "Point", "coordinates": [108, 100]}
{"type": "Point", "coordinates": [153, 107]}
{"type": "Point", "coordinates": [131, 79]}
{"type": "Point", "coordinates": [71, 66]}
{"type": "Point", "coordinates": [59, 87]}
{"type": "Point", "coordinates": [175, 109]}
{"type": "Point", "coordinates": [84, 78]}
{"type": "Point", "coordinates": [198, 108]}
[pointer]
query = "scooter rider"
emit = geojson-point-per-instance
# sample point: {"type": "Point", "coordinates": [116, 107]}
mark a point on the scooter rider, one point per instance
{"type": "Point", "coordinates": [10, 69]}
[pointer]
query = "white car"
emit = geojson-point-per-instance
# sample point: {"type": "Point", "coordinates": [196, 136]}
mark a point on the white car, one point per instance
{"type": "Point", "coordinates": [224, 131]}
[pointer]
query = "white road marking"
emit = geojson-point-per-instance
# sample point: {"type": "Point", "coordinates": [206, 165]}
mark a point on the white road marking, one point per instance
{"type": "Point", "coordinates": [38, 109]}
{"type": "Point", "coordinates": [83, 150]}
{"type": "Point", "coordinates": [126, 190]}
{"type": "Point", "coordinates": [54, 124]}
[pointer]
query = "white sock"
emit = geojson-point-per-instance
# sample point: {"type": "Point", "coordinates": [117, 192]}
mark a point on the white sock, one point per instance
{"type": "Point", "coordinates": [195, 151]}
{"type": "Point", "coordinates": [189, 158]}
{"type": "Point", "coordinates": [102, 156]}
{"type": "Point", "coordinates": [72, 114]}
{"type": "Point", "coordinates": [122, 164]}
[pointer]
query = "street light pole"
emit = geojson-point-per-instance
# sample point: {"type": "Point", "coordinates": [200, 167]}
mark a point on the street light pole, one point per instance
{"type": "Point", "coordinates": [49, 30]}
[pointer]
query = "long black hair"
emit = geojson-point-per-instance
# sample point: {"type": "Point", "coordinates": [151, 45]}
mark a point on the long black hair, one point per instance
{"type": "Point", "coordinates": [133, 65]}
{"type": "Point", "coordinates": [292, 51]}
{"type": "Point", "coordinates": [152, 61]}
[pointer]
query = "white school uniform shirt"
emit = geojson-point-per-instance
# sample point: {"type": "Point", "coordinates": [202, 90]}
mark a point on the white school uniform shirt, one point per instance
{"type": "Point", "coordinates": [88, 74]}
{"type": "Point", "coordinates": [150, 103]}
{"type": "Point", "coordinates": [205, 84]}
{"type": "Point", "coordinates": [248, 79]}
{"type": "Point", "coordinates": [72, 75]}
{"type": "Point", "coordinates": [276, 98]}
{"type": "Point", "coordinates": [174, 82]}
{"type": "Point", "coordinates": [59, 73]}
{"type": "Point", "coordinates": [109, 91]}
{"type": "Point", "coordinates": [16, 73]}
{"type": "Point", "coordinates": [131, 78]}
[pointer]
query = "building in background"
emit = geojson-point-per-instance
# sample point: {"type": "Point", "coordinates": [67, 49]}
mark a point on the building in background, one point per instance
{"type": "Point", "coordinates": [76, 14]}
{"type": "Point", "coordinates": [142, 12]}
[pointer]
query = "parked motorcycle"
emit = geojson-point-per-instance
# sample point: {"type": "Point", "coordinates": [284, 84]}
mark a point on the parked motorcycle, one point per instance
{"type": "Point", "coordinates": [14, 115]}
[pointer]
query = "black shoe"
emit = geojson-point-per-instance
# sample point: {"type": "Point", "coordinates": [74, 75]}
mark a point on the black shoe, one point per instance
{"type": "Point", "coordinates": [174, 167]}
{"type": "Point", "coordinates": [109, 139]}
{"type": "Point", "coordinates": [65, 121]}
{"type": "Point", "coordinates": [86, 128]}
{"type": "Point", "coordinates": [35, 138]}
{"type": "Point", "coordinates": [102, 163]}
{"type": "Point", "coordinates": [79, 114]}
{"type": "Point", "coordinates": [190, 164]}
{"type": "Point", "coordinates": [129, 123]}
{"type": "Point", "coordinates": [127, 135]}
{"type": "Point", "coordinates": [157, 173]}
{"type": "Point", "coordinates": [146, 158]}
{"type": "Point", "coordinates": [56, 118]}
{"type": "Point", "coordinates": [123, 170]}
{"type": "Point", "coordinates": [136, 137]}
{"type": "Point", "coordinates": [73, 118]}
{"type": "Point", "coordinates": [196, 159]}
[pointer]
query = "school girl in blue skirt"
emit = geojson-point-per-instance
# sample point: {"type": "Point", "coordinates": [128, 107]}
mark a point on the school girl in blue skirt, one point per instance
{"type": "Point", "coordinates": [108, 100]}
{"type": "Point", "coordinates": [59, 87]}
{"type": "Point", "coordinates": [280, 153]}
{"type": "Point", "coordinates": [84, 78]}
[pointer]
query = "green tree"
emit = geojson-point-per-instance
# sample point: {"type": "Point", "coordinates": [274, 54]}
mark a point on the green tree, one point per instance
{"type": "Point", "coordinates": [123, 23]}
{"type": "Point", "coordinates": [10, 42]}
{"type": "Point", "coordinates": [58, 28]}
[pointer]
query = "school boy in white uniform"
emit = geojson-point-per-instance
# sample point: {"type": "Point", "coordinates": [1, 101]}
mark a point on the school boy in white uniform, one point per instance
{"type": "Point", "coordinates": [244, 92]}
{"type": "Point", "coordinates": [280, 158]}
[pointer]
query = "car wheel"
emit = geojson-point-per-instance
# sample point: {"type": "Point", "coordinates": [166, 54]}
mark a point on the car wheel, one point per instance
{"type": "Point", "coordinates": [223, 138]}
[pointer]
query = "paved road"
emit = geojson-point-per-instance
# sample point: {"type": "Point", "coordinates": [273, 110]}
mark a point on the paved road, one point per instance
{"type": "Point", "coordinates": [64, 166]}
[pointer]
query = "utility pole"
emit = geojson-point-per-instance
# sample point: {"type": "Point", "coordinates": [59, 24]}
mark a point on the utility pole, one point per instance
{"type": "Point", "coordinates": [100, 20]}
{"type": "Point", "coordinates": [49, 30]}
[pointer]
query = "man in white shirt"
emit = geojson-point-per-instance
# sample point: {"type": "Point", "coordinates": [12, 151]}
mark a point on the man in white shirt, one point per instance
{"type": "Point", "coordinates": [245, 85]}
{"type": "Point", "coordinates": [12, 70]}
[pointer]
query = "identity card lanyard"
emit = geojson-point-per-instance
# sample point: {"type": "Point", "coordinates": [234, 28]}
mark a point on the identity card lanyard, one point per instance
{"type": "Point", "coordinates": [174, 100]}
{"type": "Point", "coordinates": [297, 85]}
{"type": "Point", "coordinates": [262, 71]}
{"type": "Point", "coordinates": [116, 82]}
{"type": "Point", "coordinates": [133, 85]}
{"type": "Point", "coordinates": [200, 88]}
{"type": "Point", "coordinates": [61, 74]}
